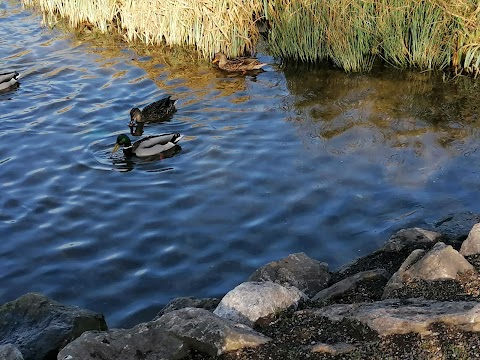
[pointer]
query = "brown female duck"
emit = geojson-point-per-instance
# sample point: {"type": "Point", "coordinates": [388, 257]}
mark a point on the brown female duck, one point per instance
{"type": "Point", "coordinates": [160, 110]}
{"type": "Point", "coordinates": [238, 64]}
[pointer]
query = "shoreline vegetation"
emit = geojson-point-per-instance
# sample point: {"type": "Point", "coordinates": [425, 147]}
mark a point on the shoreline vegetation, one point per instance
{"type": "Point", "coordinates": [353, 35]}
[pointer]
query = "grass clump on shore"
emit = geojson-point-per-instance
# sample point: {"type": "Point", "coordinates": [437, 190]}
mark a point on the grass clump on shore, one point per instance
{"type": "Point", "coordinates": [430, 34]}
{"type": "Point", "coordinates": [353, 34]}
{"type": "Point", "coordinates": [209, 25]}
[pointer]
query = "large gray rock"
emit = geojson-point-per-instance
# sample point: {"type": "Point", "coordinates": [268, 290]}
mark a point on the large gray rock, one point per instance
{"type": "Point", "coordinates": [250, 301]}
{"type": "Point", "coordinates": [441, 262]}
{"type": "Point", "coordinates": [39, 327]}
{"type": "Point", "coordinates": [299, 270]}
{"type": "Point", "coordinates": [170, 337]}
{"type": "Point", "coordinates": [392, 254]}
{"type": "Point", "coordinates": [184, 302]}
{"type": "Point", "coordinates": [205, 332]}
{"type": "Point", "coordinates": [147, 341]}
{"type": "Point", "coordinates": [378, 277]}
{"type": "Point", "coordinates": [471, 246]}
{"type": "Point", "coordinates": [10, 352]}
{"type": "Point", "coordinates": [395, 316]}
{"type": "Point", "coordinates": [401, 277]}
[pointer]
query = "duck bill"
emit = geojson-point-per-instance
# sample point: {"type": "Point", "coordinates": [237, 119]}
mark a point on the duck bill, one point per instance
{"type": "Point", "coordinates": [115, 148]}
{"type": "Point", "coordinates": [215, 61]}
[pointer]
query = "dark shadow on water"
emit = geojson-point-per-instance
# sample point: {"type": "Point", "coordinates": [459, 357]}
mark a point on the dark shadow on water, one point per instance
{"type": "Point", "coordinates": [8, 90]}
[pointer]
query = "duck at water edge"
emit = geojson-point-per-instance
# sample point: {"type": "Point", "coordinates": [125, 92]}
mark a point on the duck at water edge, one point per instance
{"type": "Point", "coordinates": [148, 146]}
{"type": "Point", "coordinates": [8, 79]}
{"type": "Point", "coordinates": [243, 64]}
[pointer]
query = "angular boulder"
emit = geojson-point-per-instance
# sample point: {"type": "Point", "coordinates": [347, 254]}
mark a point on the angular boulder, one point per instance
{"type": "Point", "coordinates": [471, 246]}
{"type": "Point", "coordinates": [392, 254]}
{"type": "Point", "coordinates": [370, 281]}
{"type": "Point", "coordinates": [170, 337]}
{"type": "Point", "coordinates": [251, 301]}
{"type": "Point", "coordinates": [393, 316]}
{"type": "Point", "coordinates": [39, 327]}
{"type": "Point", "coordinates": [441, 262]}
{"type": "Point", "coordinates": [205, 332]}
{"type": "Point", "coordinates": [401, 277]}
{"type": "Point", "coordinates": [434, 274]}
{"type": "Point", "coordinates": [145, 341]}
{"type": "Point", "coordinates": [299, 270]}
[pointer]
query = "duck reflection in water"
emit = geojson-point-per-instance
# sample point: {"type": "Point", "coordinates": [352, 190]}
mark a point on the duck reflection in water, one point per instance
{"type": "Point", "coordinates": [136, 129]}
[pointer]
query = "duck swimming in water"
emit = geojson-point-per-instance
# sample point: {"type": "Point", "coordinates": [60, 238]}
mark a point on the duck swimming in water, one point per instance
{"type": "Point", "coordinates": [148, 146]}
{"type": "Point", "coordinates": [8, 79]}
{"type": "Point", "coordinates": [238, 64]}
{"type": "Point", "coordinates": [158, 111]}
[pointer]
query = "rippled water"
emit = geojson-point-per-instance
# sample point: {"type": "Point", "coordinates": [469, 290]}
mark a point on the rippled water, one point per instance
{"type": "Point", "coordinates": [300, 159]}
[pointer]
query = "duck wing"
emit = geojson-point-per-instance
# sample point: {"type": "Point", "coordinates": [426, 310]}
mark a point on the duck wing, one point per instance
{"type": "Point", "coordinates": [242, 64]}
{"type": "Point", "coordinates": [159, 109]}
{"type": "Point", "coordinates": [153, 145]}
{"type": "Point", "coordinates": [249, 61]}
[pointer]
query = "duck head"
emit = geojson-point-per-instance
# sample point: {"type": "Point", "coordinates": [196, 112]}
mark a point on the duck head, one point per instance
{"type": "Point", "coordinates": [122, 140]}
{"type": "Point", "coordinates": [220, 58]}
{"type": "Point", "coordinates": [135, 116]}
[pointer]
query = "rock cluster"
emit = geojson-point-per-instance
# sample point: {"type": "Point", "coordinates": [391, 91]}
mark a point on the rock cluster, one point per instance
{"type": "Point", "coordinates": [416, 297]}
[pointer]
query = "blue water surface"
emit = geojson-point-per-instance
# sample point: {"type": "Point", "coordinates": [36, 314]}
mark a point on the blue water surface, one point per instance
{"type": "Point", "coordinates": [292, 159]}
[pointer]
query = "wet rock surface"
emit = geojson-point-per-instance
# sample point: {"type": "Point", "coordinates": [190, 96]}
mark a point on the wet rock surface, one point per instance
{"type": "Point", "coordinates": [299, 270]}
{"type": "Point", "coordinates": [39, 327]}
{"type": "Point", "coordinates": [184, 302]}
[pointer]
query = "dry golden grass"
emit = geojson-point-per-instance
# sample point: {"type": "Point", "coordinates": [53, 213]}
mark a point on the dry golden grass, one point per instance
{"type": "Point", "coordinates": [209, 25]}
{"type": "Point", "coordinates": [428, 34]}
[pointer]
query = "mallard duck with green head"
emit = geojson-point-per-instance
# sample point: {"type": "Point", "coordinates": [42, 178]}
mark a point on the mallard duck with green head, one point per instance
{"type": "Point", "coordinates": [8, 79]}
{"type": "Point", "coordinates": [242, 64]}
{"type": "Point", "coordinates": [160, 110]}
{"type": "Point", "coordinates": [148, 146]}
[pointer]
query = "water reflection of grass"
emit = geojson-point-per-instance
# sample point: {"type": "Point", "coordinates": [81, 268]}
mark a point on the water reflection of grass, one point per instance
{"type": "Point", "coordinates": [167, 66]}
{"type": "Point", "coordinates": [404, 121]}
